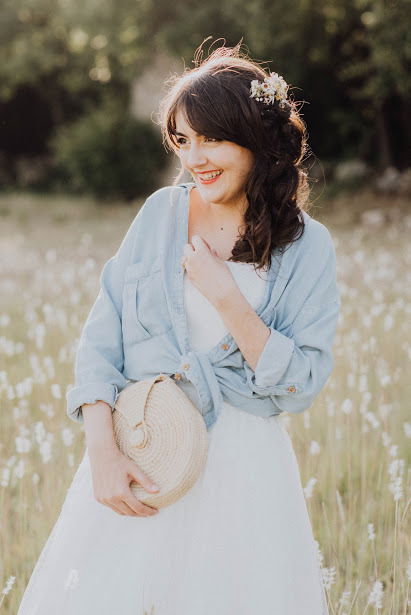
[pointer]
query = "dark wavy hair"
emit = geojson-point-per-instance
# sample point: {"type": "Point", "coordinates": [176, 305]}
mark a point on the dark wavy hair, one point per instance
{"type": "Point", "coordinates": [215, 99]}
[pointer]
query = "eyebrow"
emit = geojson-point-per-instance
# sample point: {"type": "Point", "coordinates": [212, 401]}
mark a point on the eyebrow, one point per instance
{"type": "Point", "coordinates": [181, 134]}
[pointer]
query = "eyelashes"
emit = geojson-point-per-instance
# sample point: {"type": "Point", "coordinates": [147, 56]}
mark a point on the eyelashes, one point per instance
{"type": "Point", "coordinates": [182, 140]}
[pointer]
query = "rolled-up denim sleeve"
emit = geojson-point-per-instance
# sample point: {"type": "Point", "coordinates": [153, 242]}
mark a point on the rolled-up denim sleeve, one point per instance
{"type": "Point", "coordinates": [296, 361]}
{"type": "Point", "coordinates": [100, 358]}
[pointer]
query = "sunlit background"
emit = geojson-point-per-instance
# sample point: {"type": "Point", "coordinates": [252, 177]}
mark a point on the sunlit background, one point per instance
{"type": "Point", "coordinates": [80, 150]}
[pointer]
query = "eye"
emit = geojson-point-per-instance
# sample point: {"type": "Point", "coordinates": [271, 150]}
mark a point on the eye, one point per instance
{"type": "Point", "coordinates": [183, 141]}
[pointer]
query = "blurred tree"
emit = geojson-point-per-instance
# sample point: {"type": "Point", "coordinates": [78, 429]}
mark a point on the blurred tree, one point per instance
{"type": "Point", "coordinates": [349, 61]}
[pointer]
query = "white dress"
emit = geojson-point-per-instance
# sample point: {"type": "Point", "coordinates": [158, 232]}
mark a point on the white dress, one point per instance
{"type": "Point", "coordinates": [240, 542]}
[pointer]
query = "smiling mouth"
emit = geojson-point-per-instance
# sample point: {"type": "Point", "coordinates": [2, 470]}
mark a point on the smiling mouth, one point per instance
{"type": "Point", "coordinates": [209, 175]}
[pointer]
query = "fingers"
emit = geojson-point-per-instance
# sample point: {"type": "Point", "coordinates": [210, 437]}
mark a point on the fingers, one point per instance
{"type": "Point", "coordinates": [127, 504]}
{"type": "Point", "coordinates": [115, 492]}
{"type": "Point", "coordinates": [141, 478]}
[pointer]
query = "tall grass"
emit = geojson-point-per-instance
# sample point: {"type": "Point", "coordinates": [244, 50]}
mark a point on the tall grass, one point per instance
{"type": "Point", "coordinates": [353, 445]}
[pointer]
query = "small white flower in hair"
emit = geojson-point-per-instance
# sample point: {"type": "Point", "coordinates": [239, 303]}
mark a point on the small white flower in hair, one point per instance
{"type": "Point", "coordinates": [271, 89]}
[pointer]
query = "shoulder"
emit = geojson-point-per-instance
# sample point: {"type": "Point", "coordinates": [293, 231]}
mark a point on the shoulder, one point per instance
{"type": "Point", "coordinates": [156, 207]}
{"type": "Point", "coordinates": [164, 197]}
{"type": "Point", "coordinates": [316, 239]}
{"type": "Point", "coordinates": [311, 254]}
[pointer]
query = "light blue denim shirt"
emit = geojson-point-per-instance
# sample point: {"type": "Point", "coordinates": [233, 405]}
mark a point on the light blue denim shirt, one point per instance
{"type": "Point", "coordinates": [137, 326]}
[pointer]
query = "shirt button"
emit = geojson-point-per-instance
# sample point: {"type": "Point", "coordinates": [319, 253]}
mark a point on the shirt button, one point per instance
{"type": "Point", "coordinates": [186, 366]}
{"type": "Point", "coordinates": [224, 346]}
{"type": "Point", "coordinates": [177, 376]}
{"type": "Point", "coordinates": [291, 389]}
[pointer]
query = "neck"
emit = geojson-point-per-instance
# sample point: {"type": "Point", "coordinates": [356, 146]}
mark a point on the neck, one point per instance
{"type": "Point", "coordinates": [223, 214]}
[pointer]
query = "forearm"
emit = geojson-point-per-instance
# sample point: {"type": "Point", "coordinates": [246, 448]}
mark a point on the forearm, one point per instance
{"type": "Point", "coordinates": [246, 327]}
{"type": "Point", "coordinates": [98, 426]}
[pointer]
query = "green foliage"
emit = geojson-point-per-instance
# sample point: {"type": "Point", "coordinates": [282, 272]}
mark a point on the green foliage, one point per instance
{"type": "Point", "coordinates": [347, 61]}
{"type": "Point", "coordinates": [108, 154]}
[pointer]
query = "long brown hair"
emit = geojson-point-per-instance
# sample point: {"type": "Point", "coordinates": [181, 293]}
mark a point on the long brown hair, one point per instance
{"type": "Point", "coordinates": [215, 98]}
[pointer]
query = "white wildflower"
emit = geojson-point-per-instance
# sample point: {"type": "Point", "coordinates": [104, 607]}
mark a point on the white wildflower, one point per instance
{"type": "Point", "coordinates": [407, 429]}
{"type": "Point", "coordinates": [273, 88]}
{"type": "Point", "coordinates": [376, 595]}
{"type": "Point", "coordinates": [363, 384]}
{"type": "Point", "coordinates": [47, 409]}
{"type": "Point", "coordinates": [372, 419]}
{"type": "Point", "coordinates": [9, 585]}
{"type": "Point", "coordinates": [5, 477]}
{"type": "Point", "coordinates": [320, 556]}
{"type": "Point", "coordinates": [56, 391]}
{"type": "Point", "coordinates": [328, 576]}
{"type": "Point", "coordinates": [385, 380]}
{"type": "Point", "coordinates": [308, 490]}
{"type": "Point", "coordinates": [330, 407]}
{"type": "Point", "coordinates": [39, 431]}
{"type": "Point", "coordinates": [314, 448]}
{"type": "Point", "coordinates": [347, 406]}
{"type": "Point", "coordinates": [365, 400]}
{"type": "Point", "coordinates": [350, 380]}
{"type": "Point", "coordinates": [40, 332]}
{"type": "Point", "coordinates": [396, 471]}
{"type": "Point", "coordinates": [23, 445]}
{"type": "Point", "coordinates": [67, 436]}
{"type": "Point", "coordinates": [11, 461]}
{"type": "Point", "coordinates": [24, 388]}
{"type": "Point", "coordinates": [388, 322]}
{"type": "Point", "coordinates": [371, 533]}
{"type": "Point", "coordinates": [49, 365]}
{"type": "Point", "coordinates": [386, 439]}
{"type": "Point", "coordinates": [345, 598]}
{"type": "Point", "coordinates": [10, 392]}
{"type": "Point", "coordinates": [45, 451]}
{"type": "Point", "coordinates": [19, 469]}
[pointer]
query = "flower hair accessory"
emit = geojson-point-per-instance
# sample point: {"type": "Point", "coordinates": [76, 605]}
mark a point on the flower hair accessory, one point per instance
{"type": "Point", "coordinates": [273, 88]}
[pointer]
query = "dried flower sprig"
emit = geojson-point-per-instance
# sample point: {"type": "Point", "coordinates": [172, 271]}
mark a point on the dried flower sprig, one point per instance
{"type": "Point", "coordinates": [273, 88]}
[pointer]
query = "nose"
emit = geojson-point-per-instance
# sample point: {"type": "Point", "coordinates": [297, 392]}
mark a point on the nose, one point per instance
{"type": "Point", "coordinates": [195, 156]}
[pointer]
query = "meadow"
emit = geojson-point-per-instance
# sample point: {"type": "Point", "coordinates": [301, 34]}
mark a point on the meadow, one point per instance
{"type": "Point", "coordinates": [353, 444]}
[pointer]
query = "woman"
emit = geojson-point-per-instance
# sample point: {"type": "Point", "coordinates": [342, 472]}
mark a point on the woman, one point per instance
{"type": "Point", "coordinates": [228, 285]}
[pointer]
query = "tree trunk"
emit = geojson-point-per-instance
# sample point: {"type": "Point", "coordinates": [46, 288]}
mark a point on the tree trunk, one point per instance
{"type": "Point", "coordinates": [383, 140]}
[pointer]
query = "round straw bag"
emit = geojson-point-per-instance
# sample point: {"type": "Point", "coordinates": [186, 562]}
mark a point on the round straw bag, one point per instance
{"type": "Point", "coordinates": [161, 430]}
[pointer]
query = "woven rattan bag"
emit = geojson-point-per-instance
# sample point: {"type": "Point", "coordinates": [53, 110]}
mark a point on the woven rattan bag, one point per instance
{"type": "Point", "coordinates": [162, 431]}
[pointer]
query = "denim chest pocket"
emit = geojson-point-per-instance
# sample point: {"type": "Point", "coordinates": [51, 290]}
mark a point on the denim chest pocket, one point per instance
{"type": "Point", "coordinates": [145, 312]}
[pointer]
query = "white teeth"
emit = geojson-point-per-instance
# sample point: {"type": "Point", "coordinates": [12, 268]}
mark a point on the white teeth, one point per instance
{"type": "Point", "coordinates": [210, 175]}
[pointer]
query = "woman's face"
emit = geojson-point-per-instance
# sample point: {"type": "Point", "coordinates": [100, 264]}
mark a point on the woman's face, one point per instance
{"type": "Point", "coordinates": [219, 168]}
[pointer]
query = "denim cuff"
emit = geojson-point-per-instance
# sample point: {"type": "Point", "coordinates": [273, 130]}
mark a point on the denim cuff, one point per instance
{"type": "Point", "coordinates": [89, 394]}
{"type": "Point", "coordinates": [274, 359]}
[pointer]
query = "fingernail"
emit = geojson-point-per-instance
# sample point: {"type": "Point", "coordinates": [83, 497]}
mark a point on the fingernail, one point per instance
{"type": "Point", "coordinates": [154, 487]}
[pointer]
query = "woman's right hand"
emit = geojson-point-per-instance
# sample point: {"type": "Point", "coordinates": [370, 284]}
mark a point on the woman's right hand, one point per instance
{"type": "Point", "coordinates": [112, 474]}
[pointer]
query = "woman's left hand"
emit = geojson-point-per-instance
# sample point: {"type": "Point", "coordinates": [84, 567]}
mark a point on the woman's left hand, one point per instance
{"type": "Point", "coordinates": [207, 271]}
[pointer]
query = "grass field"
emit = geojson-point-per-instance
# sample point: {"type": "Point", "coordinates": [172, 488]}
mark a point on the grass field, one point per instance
{"type": "Point", "coordinates": [353, 445]}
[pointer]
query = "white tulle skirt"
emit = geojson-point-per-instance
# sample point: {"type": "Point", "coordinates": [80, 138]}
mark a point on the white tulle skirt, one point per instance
{"type": "Point", "coordinates": [240, 542]}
